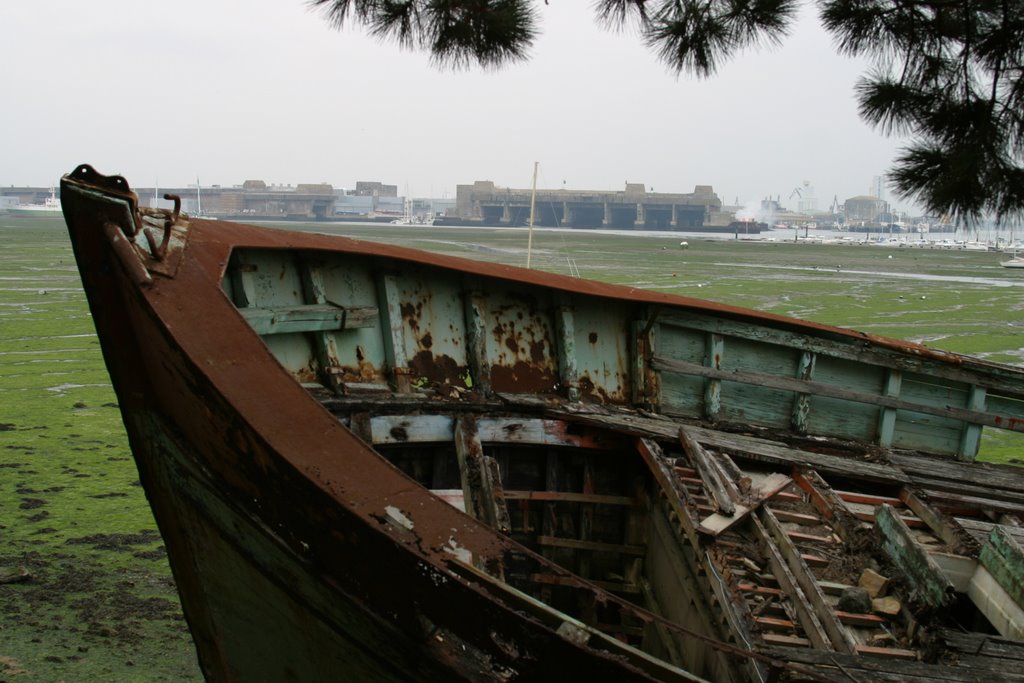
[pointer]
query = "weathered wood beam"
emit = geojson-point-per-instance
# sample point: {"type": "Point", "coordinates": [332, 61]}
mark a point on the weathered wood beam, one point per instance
{"type": "Point", "coordinates": [971, 437]}
{"type": "Point", "coordinates": [315, 292]}
{"type": "Point", "coordinates": [643, 378]}
{"type": "Point", "coordinates": [393, 327]}
{"type": "Point", "coordinates": [1003, 558]}
{"type": "Point", "coordinates": [828, 503]}
{"type": "Point", "coordinates": [837, 633]}
{"type": "Point", "coordinates": [983, 651]}
{"type": "Point", "coordinates": [672, 490]}
{"type": "Point", "coordinates": [762, 379]}
{"type": "Point", "coordinates": [887, 416]}
{"type": "Point", "coordinates": [861, 668]}
{"type": "Point", "coordinates": [481, 483]}
{"type": "Point", "coordinates": [717, 523]}
{"type": "Point", "coordinates": [947, 500]}
{"type": "Point", "coordinates": [475, 311]}
{"type": "Point", "coordinates": [585, 635]}
{"type": "Point", "coordinates": [808, 618]}
{"type": "Point", "coordinates": [1007, 380]}
{"type": "Point", "coordinates": [565, 331]}
{"type": "Point", "coordinates": [927, 581]}
{"type": "Point", "coordinates": [709, 474]}
{"type": "Point", "coordinates": [943, 526]}
{"type": "Point", "coordinates": [736, 445]}
{"type": "Point", "coordinates": [714, 348]}
{"type": "Point", "coordinates": [1000, 480]}
{"type": "Point", "coordinates": [802, 401]}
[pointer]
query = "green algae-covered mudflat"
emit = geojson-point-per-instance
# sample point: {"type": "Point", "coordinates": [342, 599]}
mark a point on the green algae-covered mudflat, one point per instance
{"type": "Point", "coordinates": [98, 602]}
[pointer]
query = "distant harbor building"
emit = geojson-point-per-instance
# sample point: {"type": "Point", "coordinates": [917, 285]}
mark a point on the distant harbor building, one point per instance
{"type": "Point", "coordinates": [864, 209]}
{"type": "Point", "coordinates": [877, 187]}
{"type": "Point", "coordinates": [484, 203]}
{"type": "Point", "coordinates": [366, 188]}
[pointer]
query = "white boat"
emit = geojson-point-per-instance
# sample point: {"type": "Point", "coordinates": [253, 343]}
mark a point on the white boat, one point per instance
{"type": "Point", "coordinates": [1015, 262]}
{"type": "Point", "coordinates": [49, 209]}
{"type": "Point", "coordinates": [409, 218]}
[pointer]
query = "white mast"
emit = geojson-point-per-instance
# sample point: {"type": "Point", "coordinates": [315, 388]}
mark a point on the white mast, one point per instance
{"type": "Point", "coordinates": [533, 203]}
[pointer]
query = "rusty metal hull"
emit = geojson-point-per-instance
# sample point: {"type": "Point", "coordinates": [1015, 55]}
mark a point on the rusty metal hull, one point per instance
{"type": "Point", "coordinates": [371, 463]}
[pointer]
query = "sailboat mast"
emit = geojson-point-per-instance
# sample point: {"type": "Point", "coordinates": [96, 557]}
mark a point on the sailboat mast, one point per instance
{"type": "Point", "coordinates": [533, 204]}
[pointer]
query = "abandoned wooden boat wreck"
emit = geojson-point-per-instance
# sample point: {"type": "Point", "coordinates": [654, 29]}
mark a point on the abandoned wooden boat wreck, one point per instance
{"type": "Point", "coordinates": [374, 463]}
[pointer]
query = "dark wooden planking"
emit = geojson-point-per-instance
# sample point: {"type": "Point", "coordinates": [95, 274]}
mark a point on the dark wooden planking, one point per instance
{"type": "Point", "coordinates": [926, 580]}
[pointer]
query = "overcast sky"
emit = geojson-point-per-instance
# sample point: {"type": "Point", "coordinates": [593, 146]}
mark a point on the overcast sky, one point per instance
{"type": "Point", "coordinates": [225, 90]}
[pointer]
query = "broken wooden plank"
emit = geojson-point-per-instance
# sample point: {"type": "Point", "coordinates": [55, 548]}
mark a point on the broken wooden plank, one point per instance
{"type": "Point", "coordinates": [708, 473]}
{"type": "Point", "coordinates": [802, 401]}
{"type": "Point", "coordinates": [784, 640]}
{"type": "Point", "coordinates": [764, 490]}
{"type": "Point", "coordinates": [675, 493]}
{"type": "Point", "coordinates": [1003, 558]}
{"type": "Point", "coordinates": [775, 624]}
{"type": "Point", "coordinates": [868, 498]}
{"type": "Point", "coordinates": [828, 503]}
{"type": "Point", "coordinates": [927, 471]}
{"type": "Point", "coordinates": [894, 652]}
{"type": "Point", "coordinates": [896, 669]}
{"type": "Point", "coordinates": [566, 348]}
{"type": "Point", "coordinates": [716, 523]}
{"type": "Point", "coordinates": [796, 517]}
{"type": "Point", "coordinates": [736, 445]}
{"type": "Point", "coordinates": [812, 626]}
{"type": "Point", "coordinates": [945, 527]}
{"type": "Point", "coordinates": [947, 500]}
{"type": "Point", "coordinates": [858, 619]}
{"type": "Point", "coordinates": [481, 483]}
{"type": "Point", "coordinates": [839, 637]}
{"type": "Point", "coordinates": [475, 314]}
{"type": "Point", "coordinates": [928, 583]}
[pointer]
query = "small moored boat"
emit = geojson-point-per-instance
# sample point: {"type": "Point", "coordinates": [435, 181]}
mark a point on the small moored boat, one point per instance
{"type": "Point", "coordinates": [375, 463]}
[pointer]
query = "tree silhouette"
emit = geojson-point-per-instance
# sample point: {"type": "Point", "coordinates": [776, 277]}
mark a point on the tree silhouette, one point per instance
{"type": "Point", "coordinates": [946, 73]}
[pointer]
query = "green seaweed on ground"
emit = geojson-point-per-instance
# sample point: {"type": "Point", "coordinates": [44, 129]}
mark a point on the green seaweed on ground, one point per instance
{"type": "Point", "coordinates": [100, 602]}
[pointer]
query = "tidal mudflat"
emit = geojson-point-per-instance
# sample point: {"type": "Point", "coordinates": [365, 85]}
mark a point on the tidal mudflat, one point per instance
{"type": "Point", "coordinates": [84, 581]}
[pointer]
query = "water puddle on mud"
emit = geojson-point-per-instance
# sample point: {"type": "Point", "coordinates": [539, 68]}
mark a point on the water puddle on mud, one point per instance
{"type": "Point", "coordinates": [966, 279]}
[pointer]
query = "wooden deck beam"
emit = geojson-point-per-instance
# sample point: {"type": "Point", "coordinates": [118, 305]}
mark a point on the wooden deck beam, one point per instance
{"type": "Point", "coordinates": [927, 581]}
{"type": "Point", "coordinates": [839, 636]}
